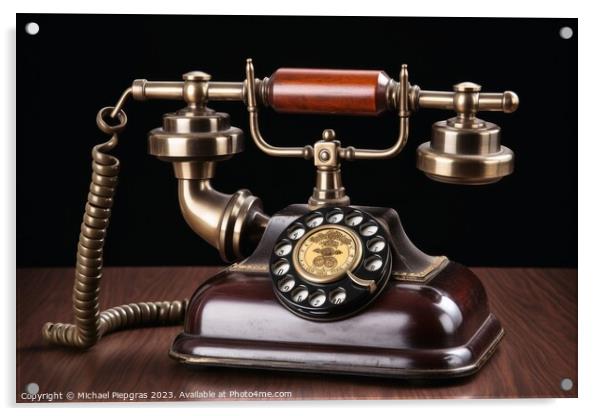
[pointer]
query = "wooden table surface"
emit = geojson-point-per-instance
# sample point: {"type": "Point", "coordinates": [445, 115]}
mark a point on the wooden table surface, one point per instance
{"type": "Point", "coordinates": [537, 307]}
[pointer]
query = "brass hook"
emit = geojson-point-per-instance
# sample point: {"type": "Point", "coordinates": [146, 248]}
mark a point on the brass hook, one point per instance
{"type": "Point", "coordinates": [303, 152]}
{"type": "Point", "coordinates": [121, 102]}
{"type": "Point", "coordinates": [351, 153]}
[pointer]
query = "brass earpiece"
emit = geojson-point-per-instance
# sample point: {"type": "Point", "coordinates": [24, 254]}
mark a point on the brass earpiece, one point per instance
{"type": "Point", "coordinates": [464, 149]}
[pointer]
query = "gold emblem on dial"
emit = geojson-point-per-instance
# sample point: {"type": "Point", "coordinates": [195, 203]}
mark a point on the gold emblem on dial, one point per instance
{"type": "Point", "coordinates": [326, 253]}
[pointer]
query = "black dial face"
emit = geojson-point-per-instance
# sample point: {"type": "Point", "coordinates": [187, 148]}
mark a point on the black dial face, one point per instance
{"type": "Point", "coordinates": [330, 263]}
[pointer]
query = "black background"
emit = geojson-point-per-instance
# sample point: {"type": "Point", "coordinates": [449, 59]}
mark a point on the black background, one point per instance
{"type": "Point", "coordinates": [79, 63]}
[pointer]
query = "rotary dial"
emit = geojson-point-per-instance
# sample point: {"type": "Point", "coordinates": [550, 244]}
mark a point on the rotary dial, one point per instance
{"type": "Point", "coordinates": [330, 263]}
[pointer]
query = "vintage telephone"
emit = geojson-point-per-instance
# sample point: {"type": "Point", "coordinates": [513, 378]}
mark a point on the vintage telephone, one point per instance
{"type": "Point", "coordinates": [324, 286]}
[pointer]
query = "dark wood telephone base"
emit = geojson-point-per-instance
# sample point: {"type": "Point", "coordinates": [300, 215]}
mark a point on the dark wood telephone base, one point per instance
{"type": "Point", "coordinates": [424, 325]}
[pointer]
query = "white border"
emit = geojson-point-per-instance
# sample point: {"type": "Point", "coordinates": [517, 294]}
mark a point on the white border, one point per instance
{"type": "Point", "coordinates": [590, 149]}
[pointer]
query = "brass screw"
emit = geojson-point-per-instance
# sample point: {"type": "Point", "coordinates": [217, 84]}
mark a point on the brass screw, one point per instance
{"type": "Point", "coordinates": [324, 155]}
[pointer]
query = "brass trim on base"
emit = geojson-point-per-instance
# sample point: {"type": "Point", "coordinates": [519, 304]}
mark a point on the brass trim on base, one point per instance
{"type": "Point", "coordinates": [424, 275]}
{"type": "Point", "coordinates": [249, 268]}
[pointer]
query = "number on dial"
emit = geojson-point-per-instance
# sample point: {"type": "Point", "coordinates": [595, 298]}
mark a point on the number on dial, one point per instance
{"type": "Point", "coordinates": [373, 263]}
{"type": "Point", "coordinates": [286, 284]}
{"type": "Point", "coordinates": [353, 219]}
{"type": "Point", "coordinates": [337, 296]}
{"type": "Point", "coordinates": [296, 233]}
{"type": "Point", "coordinates": [300, 294]}
{"type": "Point", "coordinates": [281, 267]}
{"type": "Point", "coordinates": [283, 248]}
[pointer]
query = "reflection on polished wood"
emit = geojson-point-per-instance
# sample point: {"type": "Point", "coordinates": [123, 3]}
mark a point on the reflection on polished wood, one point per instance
{"type": "Point", "coordinates": [537, 307]}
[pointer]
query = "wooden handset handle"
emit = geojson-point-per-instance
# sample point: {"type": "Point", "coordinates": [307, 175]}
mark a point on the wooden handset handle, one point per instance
{"type": "Point", "coordinates": [328, 91]}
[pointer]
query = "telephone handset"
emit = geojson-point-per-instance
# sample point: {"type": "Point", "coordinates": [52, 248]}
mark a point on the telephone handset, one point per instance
{"type": "Point", "coordinates": [324, 286]}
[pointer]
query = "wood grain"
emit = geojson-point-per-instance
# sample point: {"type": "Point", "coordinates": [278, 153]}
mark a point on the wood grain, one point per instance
{"type": "Point", "coordinates": [328, 91]}
{"type": "Point", "coordinates": [537, 307]}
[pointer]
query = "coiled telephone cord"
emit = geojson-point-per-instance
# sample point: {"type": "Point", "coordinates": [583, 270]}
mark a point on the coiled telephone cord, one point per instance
{"type": "Point", "coordinates": [91, 324]}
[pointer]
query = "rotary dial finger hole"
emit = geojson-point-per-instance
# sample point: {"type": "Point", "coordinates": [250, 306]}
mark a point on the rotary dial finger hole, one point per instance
{"type": "Point", "coordinates": [373, 263]}
{"type": "Point", "coordinates": [314, 220]}
{"type": "Point", "coordinates": [286, 283]}
{"type": "Point", "coordinates": [337, 296]}
{"type": "Point", "coordinates": [376, 245]}
{"type": "Point", "coordinates": [335, 216]}
{"type": "Point", "coordinates": [281, 267]}
{"type": "Point", "coordinates": [283, 248]}
{"type": "Point", "coordinates": [317, 298]}
{"type": "Point", "coordinates": [369, 229]}
{"type": "Point", "coordinates": [296, 232]}
{"type": "Point", "coordinates": [300, 294]}
{"type": "Point", "coordinates": [354, 219]}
